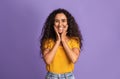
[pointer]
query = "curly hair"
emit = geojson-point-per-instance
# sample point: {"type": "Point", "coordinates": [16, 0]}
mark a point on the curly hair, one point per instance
{"type": "Point", "coordinates": [48, 29]}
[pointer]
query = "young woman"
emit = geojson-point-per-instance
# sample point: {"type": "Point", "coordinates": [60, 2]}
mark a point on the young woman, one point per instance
{"type": "Point", "coordinates": [61, 42]}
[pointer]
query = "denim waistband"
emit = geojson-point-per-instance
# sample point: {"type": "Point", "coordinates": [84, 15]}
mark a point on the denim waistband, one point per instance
{"type": "Point", "coordinates": [51, 74]}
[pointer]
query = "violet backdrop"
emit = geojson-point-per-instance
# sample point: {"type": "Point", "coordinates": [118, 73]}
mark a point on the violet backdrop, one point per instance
{"type": "Point", "coordinates": [20, 27]}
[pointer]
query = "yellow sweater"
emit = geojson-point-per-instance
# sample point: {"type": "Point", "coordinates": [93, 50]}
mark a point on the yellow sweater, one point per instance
{"type": "Point", "coordinates": [61, 63]}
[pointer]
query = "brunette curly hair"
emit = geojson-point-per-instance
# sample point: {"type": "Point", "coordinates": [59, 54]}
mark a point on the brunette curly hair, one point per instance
{"type": "Point", "coordinates": [48, 29]}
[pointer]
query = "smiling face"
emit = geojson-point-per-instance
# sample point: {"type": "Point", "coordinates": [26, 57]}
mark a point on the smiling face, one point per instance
{"type": "Point", "coordinates": [61, 22]}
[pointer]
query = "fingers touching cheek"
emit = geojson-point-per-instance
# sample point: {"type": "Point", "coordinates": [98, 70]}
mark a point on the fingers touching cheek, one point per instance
{"type": "Point", "coordinates": [65, 28]}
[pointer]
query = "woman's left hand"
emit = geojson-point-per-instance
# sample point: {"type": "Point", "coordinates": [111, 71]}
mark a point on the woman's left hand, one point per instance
{"type": "Point", "coordinates": [63, 34]}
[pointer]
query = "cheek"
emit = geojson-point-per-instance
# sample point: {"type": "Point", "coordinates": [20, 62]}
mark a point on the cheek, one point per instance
{"type": "Point", "coordinates": [66, 27]}
{"type": "Point", "coordinates": [65, 24]}
{"type": "Point", "coordinates": [56, 24]}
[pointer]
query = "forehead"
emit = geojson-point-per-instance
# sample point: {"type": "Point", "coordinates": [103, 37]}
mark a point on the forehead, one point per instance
{"type": "Point", "coordinates": [60, 16]}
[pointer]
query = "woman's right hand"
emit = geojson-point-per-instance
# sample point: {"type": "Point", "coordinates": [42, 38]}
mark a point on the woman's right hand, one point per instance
{"type": "Point", "coordinates": [57, 35]}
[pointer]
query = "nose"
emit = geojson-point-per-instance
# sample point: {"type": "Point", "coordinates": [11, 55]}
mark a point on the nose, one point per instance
{"type": "Point", "coordinates": [60, 23]}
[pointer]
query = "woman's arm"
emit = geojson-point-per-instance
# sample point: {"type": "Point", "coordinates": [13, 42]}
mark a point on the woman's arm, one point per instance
{"type": "Point", "coordinates": [48, 54]}
{"type": "Point", "coordinates": [73, 53]}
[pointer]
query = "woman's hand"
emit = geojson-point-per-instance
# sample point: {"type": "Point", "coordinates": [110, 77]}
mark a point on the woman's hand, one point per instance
{"type": "Point", "coordinates": [63, 34]}
{"type": "Point", "coordinates": [57, 35]}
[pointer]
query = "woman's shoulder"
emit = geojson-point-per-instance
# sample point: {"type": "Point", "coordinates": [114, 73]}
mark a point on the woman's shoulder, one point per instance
{"type": "Point", "coordinates": [74, 42]}
{"type": "Point", "coordinates": [74, 39]}
{"type": "Point", "coordinates": [48, 41]}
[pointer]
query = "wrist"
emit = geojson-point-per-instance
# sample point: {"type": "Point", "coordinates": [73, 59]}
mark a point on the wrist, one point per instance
{"type": "Point", "coordinates": [58, 41]}
{"type": "Point", "coordinates": [63, 40]}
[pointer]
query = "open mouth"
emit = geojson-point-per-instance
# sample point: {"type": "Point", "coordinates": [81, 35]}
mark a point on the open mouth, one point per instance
{"type": "Point", "coordinates": [61, 28]}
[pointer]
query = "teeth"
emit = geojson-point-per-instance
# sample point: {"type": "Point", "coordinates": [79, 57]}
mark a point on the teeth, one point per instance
{"type": "Point", "coordinates": [60, 28]}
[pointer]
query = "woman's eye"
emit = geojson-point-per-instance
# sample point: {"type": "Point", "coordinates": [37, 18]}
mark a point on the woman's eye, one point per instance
{"type": "Point", "coordinates": [63, 20]}
{"type": "Point", "coordinates": [56, 21]}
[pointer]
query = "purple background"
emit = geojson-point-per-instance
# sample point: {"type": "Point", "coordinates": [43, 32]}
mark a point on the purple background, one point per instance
{"type": "Point", "coordinates": [20, 27]}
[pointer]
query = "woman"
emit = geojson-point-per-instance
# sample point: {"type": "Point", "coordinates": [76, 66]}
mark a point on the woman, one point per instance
{"type": "Point", "coordinates": [61, 43]}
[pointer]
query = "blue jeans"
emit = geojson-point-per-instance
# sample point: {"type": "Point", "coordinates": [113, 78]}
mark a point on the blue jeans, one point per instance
{"type": "Point", "coordinates": [51, 75]}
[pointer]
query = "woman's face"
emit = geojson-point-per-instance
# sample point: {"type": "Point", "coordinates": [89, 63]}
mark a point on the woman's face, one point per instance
{"type": "Point", "coordinates": [61, 23]}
